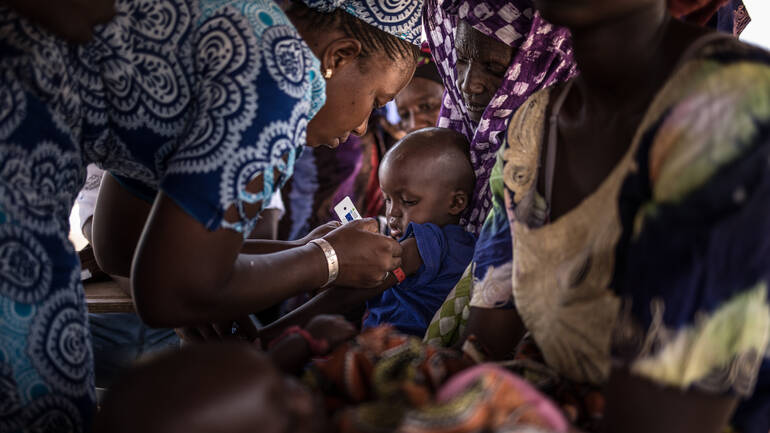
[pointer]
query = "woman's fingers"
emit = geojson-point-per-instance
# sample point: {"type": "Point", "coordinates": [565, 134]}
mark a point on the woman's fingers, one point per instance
{"type": "Point", "coordinates": [365, 256]}
{"type": "Point", "coordinates": [365, 224]}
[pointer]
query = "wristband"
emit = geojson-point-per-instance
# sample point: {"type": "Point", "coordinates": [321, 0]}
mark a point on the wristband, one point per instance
{"type": "Point", "coordinates": [317, 346]}
{"type": "Point", "coordinates": [332, 263]}
{"type": "Point", "coordinates": [400, 275]}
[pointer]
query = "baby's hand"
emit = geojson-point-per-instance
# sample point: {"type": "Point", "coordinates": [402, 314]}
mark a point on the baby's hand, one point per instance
{"type": "Point", "coordinates": [332, 328]}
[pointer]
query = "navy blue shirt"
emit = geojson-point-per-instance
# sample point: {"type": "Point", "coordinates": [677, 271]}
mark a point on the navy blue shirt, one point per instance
{"type": "Point", "coordinates": [410, 305]}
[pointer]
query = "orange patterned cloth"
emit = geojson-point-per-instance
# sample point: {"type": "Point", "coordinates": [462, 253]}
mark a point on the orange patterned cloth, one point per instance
{"type": "Point", "coordinates": [384, 381]}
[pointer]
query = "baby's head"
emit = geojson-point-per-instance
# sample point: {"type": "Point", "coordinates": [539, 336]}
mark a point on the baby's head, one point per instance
{"type": "Point", "coordinates": [426, 177]}
{"type": "Point", "coordinates": [211, 387]}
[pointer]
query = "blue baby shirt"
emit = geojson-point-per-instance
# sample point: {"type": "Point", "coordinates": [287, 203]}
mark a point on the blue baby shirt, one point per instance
{"type": "Point", "coordinates": [410, 305]}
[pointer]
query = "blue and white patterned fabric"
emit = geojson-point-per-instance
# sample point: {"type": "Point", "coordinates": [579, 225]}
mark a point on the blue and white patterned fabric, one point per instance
{"type": "Point", "coordinates": [197, 98]}
{"type": "Point", "coordinates": [397, 17]}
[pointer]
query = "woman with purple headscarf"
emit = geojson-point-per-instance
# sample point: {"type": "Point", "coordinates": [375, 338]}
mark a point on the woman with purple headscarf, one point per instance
{"type": "Point", "coordinates": [541, 55]}
{"type": "Point", "coordinates": [469, 40]}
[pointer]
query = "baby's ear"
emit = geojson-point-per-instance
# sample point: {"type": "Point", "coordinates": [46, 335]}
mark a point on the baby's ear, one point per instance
{"type": "Point", "coordinates": [459, 202]}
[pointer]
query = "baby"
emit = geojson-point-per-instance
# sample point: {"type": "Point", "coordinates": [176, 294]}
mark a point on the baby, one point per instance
{"type": "Point", "coordinates": [426, 180]}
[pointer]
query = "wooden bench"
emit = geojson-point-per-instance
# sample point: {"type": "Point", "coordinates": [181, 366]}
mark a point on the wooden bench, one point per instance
{"type": "Point", "coordinates": [107, 297]}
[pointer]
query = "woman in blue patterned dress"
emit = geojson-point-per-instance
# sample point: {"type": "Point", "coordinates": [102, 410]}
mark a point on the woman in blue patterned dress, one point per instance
{"type": "Point", "coordinates": [203, 106]}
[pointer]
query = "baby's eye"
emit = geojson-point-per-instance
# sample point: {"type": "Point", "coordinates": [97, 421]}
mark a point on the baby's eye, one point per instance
{"type": "Point", "coordinates": [409, 202]}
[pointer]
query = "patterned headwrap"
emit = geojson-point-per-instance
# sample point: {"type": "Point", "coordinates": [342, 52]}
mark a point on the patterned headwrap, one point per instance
{"type": "Point", "coordinates": [544, 57]}
{"type": "Point", "coordinates": [426, 67]}
{"type": "Point", "coordinates": [397, 17]}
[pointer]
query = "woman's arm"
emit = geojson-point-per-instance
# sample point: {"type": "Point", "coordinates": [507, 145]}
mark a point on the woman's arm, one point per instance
{"type": "Point", "coordinates": [637, 405]}
{"type": "Point", "coordinates": [117, 224]}
{"type": "Point", "coordinates": [121, 216]}
{"type": "Point", "coordinates": [185, 275]}
{"type": "Point", "coordinates": [262, 246]}
{"type": "Point", "coordinates": [339, 300]}
{"type": "Point", "coordinates": [498, 331]}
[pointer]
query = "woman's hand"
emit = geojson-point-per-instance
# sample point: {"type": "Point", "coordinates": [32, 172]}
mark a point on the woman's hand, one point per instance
{"type": "Point", "coordinates": [365, 256]}
{"type": "Point", "coordinates": [332, 328]}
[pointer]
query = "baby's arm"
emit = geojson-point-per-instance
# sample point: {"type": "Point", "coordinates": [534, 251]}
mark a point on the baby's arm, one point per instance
{"type": "Point", "coordinates": [339, 300]}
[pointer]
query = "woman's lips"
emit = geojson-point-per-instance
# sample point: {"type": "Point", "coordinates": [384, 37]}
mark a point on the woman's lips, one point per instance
{"type": "Point", "coordinates": [476, 108]}
{"type": "Point", "coordinates": [335, 143]}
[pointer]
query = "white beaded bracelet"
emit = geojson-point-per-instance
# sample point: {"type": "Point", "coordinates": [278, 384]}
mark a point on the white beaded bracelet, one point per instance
{"type": "Point", "coordinates": [331, 259]}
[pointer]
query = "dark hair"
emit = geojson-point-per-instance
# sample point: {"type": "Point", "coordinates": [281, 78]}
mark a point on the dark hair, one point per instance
{"type": "Point", "coordinates": [373, 40]}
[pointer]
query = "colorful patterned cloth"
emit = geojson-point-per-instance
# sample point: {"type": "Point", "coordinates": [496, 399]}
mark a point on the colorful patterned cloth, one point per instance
{"type": "Point", "coordinates": [400, 18]}
{"type": "Point", "coordinates": [673, 279]}
{"type": "Point", "coordinates": [486, 398]}
{"type": "Point", "coordinates": [731, 18]}
{"type": "Point", "coordinates": [384, 381]}
{"type": "Point", "coordinates": [195, 98]}
{"type": "Point", "coordinates": [543, 57]}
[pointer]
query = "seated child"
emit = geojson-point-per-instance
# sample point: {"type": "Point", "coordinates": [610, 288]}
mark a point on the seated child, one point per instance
{"type": "Point", "coordinates": [426, 180]}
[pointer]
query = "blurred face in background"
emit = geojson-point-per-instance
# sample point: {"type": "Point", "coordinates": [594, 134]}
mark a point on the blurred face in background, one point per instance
{"type": "Point", "coordinates": [419, 104]}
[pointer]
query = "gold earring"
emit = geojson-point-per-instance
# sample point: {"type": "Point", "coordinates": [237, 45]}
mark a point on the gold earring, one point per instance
{"type": "Point", "coordinates": [328, 73]}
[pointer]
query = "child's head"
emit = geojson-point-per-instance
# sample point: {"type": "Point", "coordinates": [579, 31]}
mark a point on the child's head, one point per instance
{"type": "Point", "coordinates": [426, 177]}
{"type": "Point", "coordinates": [226, 387]}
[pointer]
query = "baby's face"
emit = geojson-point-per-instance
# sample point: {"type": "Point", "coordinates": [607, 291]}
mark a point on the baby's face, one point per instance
{"type": "Point", "coordinates": [414, 193]}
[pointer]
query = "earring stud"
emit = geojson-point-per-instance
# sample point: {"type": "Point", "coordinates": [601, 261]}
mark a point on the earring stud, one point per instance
{"type": "Point", "coordinates": [328, 73]}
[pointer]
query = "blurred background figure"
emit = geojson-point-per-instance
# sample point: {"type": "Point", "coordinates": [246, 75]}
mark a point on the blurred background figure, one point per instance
{"type": "Point", "coordinates": [419, 103]}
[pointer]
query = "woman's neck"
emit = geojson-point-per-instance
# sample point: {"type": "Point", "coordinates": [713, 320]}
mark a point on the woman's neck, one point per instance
{"type": "Point", "coordinates": [624, 60]}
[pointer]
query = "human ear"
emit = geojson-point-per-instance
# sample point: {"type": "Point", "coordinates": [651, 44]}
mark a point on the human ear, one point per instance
{"type": "Point", "coordinates": [459, 202]}
{"type": "Point", "coordinates": [340, 53]}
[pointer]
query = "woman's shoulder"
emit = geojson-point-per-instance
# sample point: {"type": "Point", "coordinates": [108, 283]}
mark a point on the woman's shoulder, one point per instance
{"type": "Point", "coordinates": [708, 115]}
{"type": "Point", "coordinates": [262, 14]}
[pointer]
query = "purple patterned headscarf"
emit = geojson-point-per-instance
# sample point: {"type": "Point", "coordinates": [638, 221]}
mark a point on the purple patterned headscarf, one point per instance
{"type": "Point", "coordinates": [544, 57]}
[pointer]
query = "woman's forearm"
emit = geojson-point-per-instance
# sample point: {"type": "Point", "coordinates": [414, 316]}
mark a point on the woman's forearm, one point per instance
{"type": "Point", "coordinates": [185, 275]}
{"type": "Point", "coordinates": [340, 300]}
{"type": "Point", "coordinates": [266, 246]}
{"type": "Point", "coordinates": [256, 282]}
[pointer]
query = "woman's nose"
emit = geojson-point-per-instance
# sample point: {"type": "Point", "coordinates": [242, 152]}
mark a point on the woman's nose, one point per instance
{"type": "Point", "coordinates": [469, 80]}
{"type": "Point", "coordinates": [360, 130]}
{"type": "Point", "coordinates": [411, 122]}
